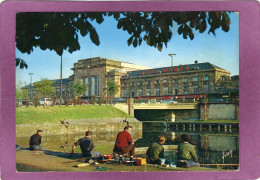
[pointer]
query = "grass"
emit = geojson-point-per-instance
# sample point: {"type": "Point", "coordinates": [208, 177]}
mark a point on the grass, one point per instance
{"type": "Point", "coordinates": [33, 115]}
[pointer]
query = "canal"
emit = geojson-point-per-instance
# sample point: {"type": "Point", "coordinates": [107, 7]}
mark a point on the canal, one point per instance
{"type": "Point", "coordinates": [213, 147]}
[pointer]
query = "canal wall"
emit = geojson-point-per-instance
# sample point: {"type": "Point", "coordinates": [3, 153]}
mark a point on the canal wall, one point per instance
{"type": "Point", "coordinates": [219, 111]}
{"type": "Point", "coordinates": [166, 115]}
{"type": "Point", "coordinates": [78, 126]}
{"type": "Point", "coordinates": [214, 111]}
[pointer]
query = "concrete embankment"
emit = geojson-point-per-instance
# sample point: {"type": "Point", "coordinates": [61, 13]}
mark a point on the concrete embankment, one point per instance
{"type": "Point", "coordinates": [78, 126]}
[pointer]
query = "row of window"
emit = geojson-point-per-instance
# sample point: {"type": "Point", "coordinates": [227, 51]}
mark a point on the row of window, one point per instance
{"type": "Point", "coordinates": [195, 81]}
{"type": "Point", "coordinates": [165, 92]}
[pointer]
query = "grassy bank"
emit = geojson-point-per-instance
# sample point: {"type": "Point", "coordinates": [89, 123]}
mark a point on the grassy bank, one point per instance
{"type": "Point", "coordinates": [31, 115]}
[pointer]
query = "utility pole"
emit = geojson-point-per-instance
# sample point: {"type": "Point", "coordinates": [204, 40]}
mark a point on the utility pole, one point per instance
{"type": "Point", "coordinates": [60, 79]}
{"type": "Point", "coordinates": [31, 84]}
{"type": "Point", "coordinates": [172, 57]}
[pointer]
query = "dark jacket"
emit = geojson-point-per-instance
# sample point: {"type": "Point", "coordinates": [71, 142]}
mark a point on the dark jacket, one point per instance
{"type": "Point", "coordinates": [86, 146]}
{"type": "Point", "coordinates": [35, 140]}
{"type": "Point", "coordinates": [154, 152]}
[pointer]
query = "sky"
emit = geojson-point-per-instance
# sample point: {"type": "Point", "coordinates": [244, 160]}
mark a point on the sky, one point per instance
{"type": "Point", "coordinates": [221, 50]}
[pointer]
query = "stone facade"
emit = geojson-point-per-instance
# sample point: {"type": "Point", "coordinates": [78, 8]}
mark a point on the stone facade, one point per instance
{"type": "Point", "coordinates": [103, 70]}
{"type": "Point", "coordinates": [198, 78]}
{"type": "Point", "coordinates": [140, 81]}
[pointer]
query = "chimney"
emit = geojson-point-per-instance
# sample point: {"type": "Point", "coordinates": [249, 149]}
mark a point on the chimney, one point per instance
{"type": "Point", "coordinates": [196, 62]}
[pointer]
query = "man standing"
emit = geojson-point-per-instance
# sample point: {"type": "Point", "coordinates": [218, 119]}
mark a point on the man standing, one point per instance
{"type": "Point", "coordinates": [35, 141]}
{"type": "Point", "coordinates": [186, 153]}
{"type": "Point", "coordinates": [86, 146]}
{"type": "Point", "coordinates": [124, 143]}
{"type": "Point", "coordinates": [156, 151]}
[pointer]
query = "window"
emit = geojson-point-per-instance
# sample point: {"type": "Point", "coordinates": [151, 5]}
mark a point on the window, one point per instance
{"type": "Point", "coordinates": [132, 92]}
{"type": "Point", "coordinates": [175, 81]}
{"type": "Point", "coordinates": [148, 84]}
{"type": "Point", "coordinates": [205, 80]}
{"type": "Point", "coordinates": [157, 91]}
{"type": "Point", "coordinates": [175, 91]}
{"type": "Point", "coordinates": [185, 80]}
{"type": "Point", "coordinates": [185, 90]}
{"type": "Point", "coordinates": [148, 92]}
{"type": "Point", "coordinates": [206, 89]}
{"type": "Point", "coordinates": [140, 92]}
{"type": "Point", "coordinates": [93, 86]}
{"type": "Point", "coordinates": [166, 90]}
{"type": "Point", "coordinates": [125, 93]}
{"type": "Point", "coordinates": [195, 79]}
{"type": "Point", "coordinates": [85, 81]}
{"type": "Point", "coordinates": [195, 89]}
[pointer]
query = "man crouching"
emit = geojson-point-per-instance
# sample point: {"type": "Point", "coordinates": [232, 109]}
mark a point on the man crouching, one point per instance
{"type": "Point", "coordinates": [124, 143]}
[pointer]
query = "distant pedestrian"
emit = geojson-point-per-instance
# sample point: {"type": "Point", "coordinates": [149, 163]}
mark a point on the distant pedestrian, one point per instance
{"type": "Point", "coordinates": [124, 143]}
{"type": "Point", "coordinates": [35, 141]}
{"type": "Point", "coordinates": [86, 146]}
{"type": "Point", "coordinates": [186, 153]}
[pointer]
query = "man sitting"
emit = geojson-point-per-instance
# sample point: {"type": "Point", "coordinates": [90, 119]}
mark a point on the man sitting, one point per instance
{"type": "Point", "coordinates": [124, 143]}
{"type": "Point", "coordinates": [186, 153]}
{"type": "Point", "coordinates": [86, 146]}
{"type": "Point", "coordinates": [156, 151]}
{"type": "Point", "coordinates": [35, 141]}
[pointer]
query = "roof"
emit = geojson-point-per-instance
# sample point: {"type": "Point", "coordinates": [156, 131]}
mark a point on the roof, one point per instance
{"type": "Point", "coordinates": [54, 82]}
{"type": "Point", "coordinates": [180, 68]}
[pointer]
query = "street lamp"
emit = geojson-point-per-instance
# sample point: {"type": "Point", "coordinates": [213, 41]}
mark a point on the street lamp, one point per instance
{"type": "Point", "coordinates": [31, 84]}
{"type": "Point", "coordinates": [60, 79]}
{"type": "Point", "coordinates": [172, 57]}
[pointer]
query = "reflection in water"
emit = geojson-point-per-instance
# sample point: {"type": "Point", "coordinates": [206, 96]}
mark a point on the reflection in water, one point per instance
{"type": "Point", "coordinates": [64, 143]}
{"type": "Point", "coordinates": [212, 147]}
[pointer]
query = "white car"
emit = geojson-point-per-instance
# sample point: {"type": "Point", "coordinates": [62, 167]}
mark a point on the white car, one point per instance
{"type": "Point", "coordinates": [46, 101]}
{"type": "Point", "coordinates": [169, 102]}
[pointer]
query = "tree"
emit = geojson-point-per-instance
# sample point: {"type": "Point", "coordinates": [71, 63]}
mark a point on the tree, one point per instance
{"type": "Point", "coordinates": [80, 88]}
{"type": "Point", "coordinates": [228, 84]}
{"type": "Point", "coordinates": [59, 31]}
{"type": "Point", "coordinates": [44, 88]}
{"type": "Point", "coordinates": [21, 93]}
{"type": "Point", "coordinates": [112, 89]}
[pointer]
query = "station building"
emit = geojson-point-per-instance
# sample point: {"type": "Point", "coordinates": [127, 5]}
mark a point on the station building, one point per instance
{"type": "Point", "coordinates": [188, 80]}
{"type": "Point", "coordinates": [140, 81]}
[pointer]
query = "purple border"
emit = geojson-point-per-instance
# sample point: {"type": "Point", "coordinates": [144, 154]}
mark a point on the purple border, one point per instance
{"type": "Point", "coordinates": [249, 84]}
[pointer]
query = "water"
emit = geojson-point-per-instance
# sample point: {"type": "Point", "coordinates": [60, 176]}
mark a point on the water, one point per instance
{"type": "Point", "coordinates": [211, 147]}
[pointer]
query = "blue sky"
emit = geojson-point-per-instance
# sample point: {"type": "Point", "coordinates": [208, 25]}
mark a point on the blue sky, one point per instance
{"type": "Point", "coordinates": [221, 50]}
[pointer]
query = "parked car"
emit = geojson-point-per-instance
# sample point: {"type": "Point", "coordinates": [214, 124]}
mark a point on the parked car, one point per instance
{"type": "Point", "coordinates": [45, 101]}
{"type": "Point", "coordinates": [57, 102]}
{"type": "Point", "coordinates": [169, 102]}
{"type": "Point", "coordinates": [220, 100]}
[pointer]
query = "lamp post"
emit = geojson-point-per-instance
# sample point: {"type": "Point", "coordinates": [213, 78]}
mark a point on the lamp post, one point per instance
{"type": "Point", "coordinates": [60, 80]}
{"type": "Point", "coordinates": [172, 57]}
{"type": "Point", "coordinates": [31, 84]}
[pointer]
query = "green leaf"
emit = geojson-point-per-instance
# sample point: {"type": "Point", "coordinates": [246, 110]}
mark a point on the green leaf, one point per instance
{"type": "Point", "coordinates": [191, 35]}
{"type": "Point", "coordinates": [129, 41]}
{"type": "Point", "coordinates": [135, 42]}
{"type": "Point", "coordinates": [94, 37]}
{"type": "Point", "coordinates": [180, 30]}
